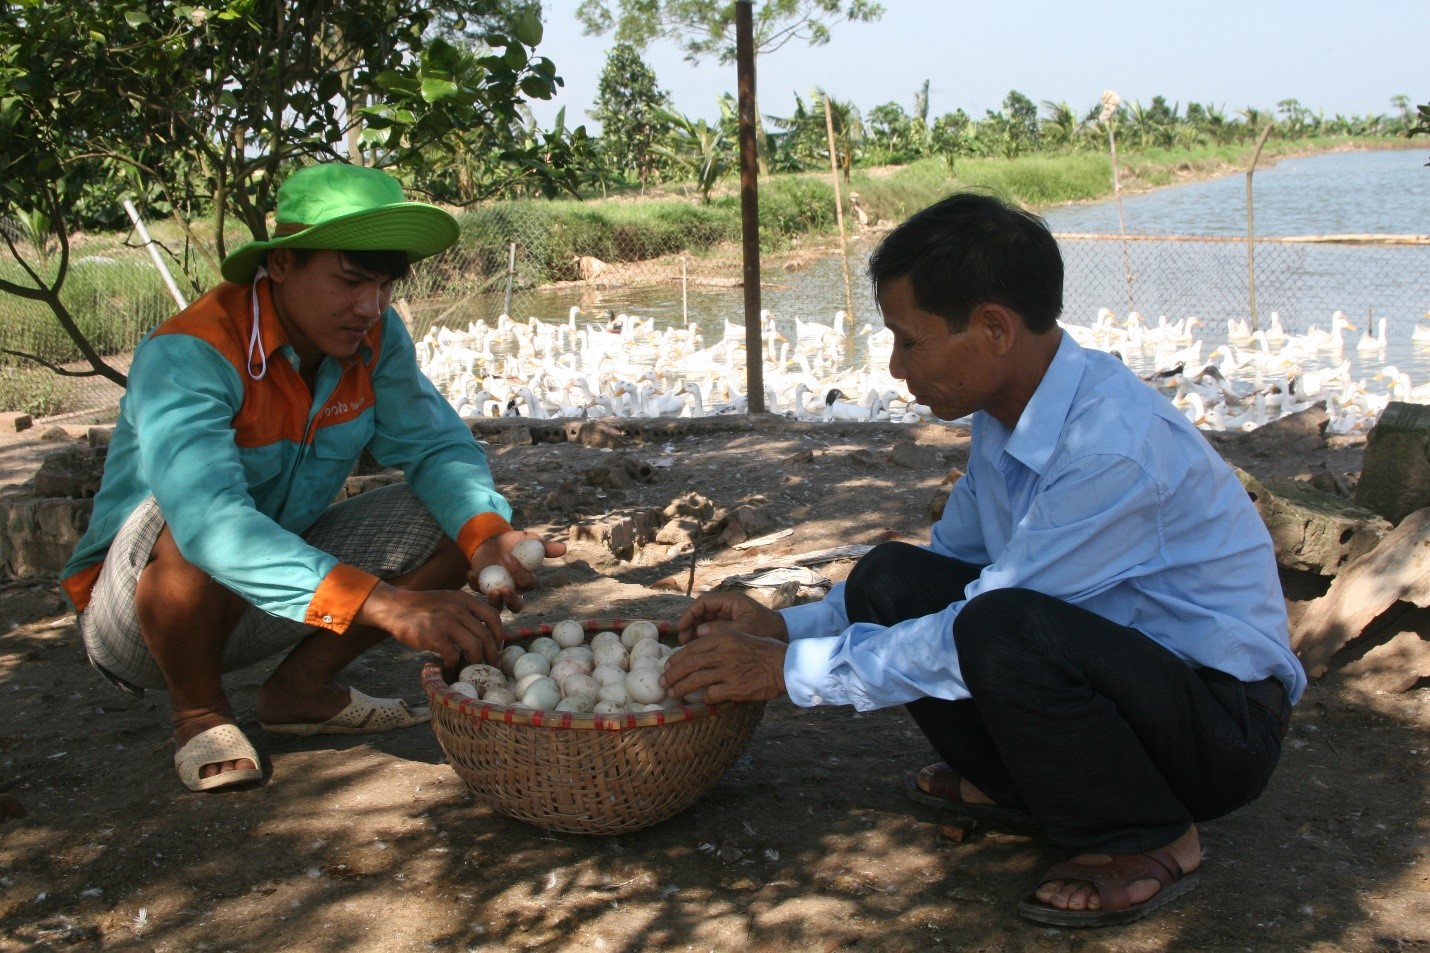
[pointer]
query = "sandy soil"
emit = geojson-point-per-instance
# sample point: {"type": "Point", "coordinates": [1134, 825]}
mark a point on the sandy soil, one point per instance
{"type": "Point", "coordinates": [807, 843]}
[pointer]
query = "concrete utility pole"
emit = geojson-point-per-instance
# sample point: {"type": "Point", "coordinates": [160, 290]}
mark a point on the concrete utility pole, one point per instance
{"type": "Point", "coordinates": [750, 204]}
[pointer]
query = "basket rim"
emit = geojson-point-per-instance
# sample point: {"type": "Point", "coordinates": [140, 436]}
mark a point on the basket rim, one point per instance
{"type": "Point", "coordinates": [440, 694]}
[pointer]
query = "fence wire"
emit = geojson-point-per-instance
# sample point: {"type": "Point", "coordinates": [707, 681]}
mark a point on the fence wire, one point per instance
{"type": "Point", "coordinates": [524, 264]}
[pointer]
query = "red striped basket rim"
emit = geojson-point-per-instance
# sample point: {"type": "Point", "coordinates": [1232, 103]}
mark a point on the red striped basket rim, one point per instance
{"type": "Point", "coordinates": [440, 693]}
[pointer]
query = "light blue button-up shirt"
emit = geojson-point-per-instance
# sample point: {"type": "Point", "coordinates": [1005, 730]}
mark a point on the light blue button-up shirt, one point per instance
{"type": "Point", "coordinates": [1103, 495]}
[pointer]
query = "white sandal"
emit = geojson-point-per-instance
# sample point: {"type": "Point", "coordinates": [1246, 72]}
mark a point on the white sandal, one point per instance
{"type": "Point", "coordinates": [363, 715]}
{"type": "Point", "coordinates": [216, 745]}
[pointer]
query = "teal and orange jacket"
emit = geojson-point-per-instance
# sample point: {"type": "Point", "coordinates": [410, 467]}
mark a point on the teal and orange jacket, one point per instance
{"type": "Point", "coordinates": [242, 460]}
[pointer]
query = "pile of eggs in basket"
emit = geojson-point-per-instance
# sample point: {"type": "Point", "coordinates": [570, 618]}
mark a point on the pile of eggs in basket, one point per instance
{"type": "Point", "coordinates": [614, 673]}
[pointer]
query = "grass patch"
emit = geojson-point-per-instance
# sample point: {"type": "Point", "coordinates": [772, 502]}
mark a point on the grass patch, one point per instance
{"type": "Point", "coordinates": [114, 302]}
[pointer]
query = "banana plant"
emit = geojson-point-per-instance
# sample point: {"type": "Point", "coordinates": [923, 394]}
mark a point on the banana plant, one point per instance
{"type": "Point", "coordinates": [696, 146]}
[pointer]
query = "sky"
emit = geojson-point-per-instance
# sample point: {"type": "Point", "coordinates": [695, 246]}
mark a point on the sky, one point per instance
{"type": "Point", "coordinates": [1331, 55]}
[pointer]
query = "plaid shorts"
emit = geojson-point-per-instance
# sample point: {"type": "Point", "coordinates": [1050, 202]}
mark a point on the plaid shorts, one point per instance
{"type": "Point", "coordinates": [386, 532]}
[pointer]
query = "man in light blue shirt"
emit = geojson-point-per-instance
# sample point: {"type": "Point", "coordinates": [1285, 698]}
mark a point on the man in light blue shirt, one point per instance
{"type": "Point", "coordinates": [1094, 640]}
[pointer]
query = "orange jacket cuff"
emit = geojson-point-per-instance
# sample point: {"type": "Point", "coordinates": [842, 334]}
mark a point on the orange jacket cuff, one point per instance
{"type": "Point", "coordinates": [339, 597]}
{"type": "Point", "coordinates": [80, 586]}
{"type": "Point", "coordinates": [478, 530]}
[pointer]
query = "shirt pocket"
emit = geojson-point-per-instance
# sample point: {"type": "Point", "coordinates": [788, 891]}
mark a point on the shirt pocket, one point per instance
{"type": "Point", "coordinates": [261, 467]}
{"type": "Point", "coordinates": [335, 451]}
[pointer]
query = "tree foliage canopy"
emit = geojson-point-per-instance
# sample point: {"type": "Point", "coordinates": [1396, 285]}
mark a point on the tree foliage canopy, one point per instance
{"type": "Point", "coordinates": [703, 27]}
{"type": "Point", "coordinates": [200, 109]}
{"type": "Point", "coordinates": [629, 107]}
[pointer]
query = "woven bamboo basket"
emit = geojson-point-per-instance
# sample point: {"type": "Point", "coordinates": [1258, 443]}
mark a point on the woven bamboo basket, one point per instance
{"type": "Point", "coordinates": [587, 773]}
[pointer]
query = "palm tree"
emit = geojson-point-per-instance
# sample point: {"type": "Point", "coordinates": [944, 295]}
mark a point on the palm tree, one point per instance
{"type": "Point", "coordinates": [848, 129]}
{"type": "Point", "coordinates": [1060, 128]}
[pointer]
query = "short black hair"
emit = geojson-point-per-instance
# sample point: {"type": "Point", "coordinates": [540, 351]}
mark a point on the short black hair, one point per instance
{"type": "Point", "coordinates": [393, 264]}
{"type": "Point", "coordinates": [971, 248]}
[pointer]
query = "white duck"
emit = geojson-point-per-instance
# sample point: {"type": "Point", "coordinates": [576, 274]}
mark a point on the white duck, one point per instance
{"type": "Point", "coordinates": [1376, 342]}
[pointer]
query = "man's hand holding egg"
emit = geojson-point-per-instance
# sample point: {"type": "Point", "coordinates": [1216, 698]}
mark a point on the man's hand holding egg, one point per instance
{"type": "Point", "coordinates": [504, 566]}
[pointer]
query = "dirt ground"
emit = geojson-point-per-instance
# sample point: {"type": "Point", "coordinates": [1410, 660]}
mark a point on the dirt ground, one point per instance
{"type": "Point", "coordinates": [806, 844]}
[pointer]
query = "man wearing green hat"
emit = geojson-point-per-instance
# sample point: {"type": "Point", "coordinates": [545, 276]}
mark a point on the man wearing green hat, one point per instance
{"type": "Point", "coordinates": [212, 544]}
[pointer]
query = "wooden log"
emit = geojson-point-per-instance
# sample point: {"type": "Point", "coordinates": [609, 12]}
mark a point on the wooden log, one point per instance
{"type": "Point", "coordinates": [1397, 569]}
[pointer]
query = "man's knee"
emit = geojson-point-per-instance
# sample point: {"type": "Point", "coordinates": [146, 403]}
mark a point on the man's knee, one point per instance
{"type": "Point", "coordinates": [998, 630]}
{"type": "Point", "coordinates": [876, 588]}
{"type": "Point", "coordinates": [876, 567]}
{"type": "Point", "coordinates": [446, 568]}
{"type": "Point", "coordinates": [170, 584]}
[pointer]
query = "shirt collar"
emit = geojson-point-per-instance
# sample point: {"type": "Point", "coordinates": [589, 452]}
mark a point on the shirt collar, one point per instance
{"type": "Point", "coordinates": [275, 338]}
{"type": "Point", "coordinates": [1032, 441]}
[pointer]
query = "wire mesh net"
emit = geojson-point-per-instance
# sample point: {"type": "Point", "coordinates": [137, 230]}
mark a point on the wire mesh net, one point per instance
{"type": "Point", "coordinates": [519, 260]}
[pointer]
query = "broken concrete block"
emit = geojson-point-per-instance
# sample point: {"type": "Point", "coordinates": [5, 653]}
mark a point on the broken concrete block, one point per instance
{"type": "Point", "coordinates": [1395, 472]}
{"type": "Point", "coordinates": [13, 421]}
{"type": "Point", "coordinates": [74, 472]}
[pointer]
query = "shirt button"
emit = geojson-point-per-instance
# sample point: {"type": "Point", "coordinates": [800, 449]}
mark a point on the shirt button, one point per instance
{"type": "Point", "coordinates": [816, 700]}
{"type": "Point", "coordinates": [328, 620]}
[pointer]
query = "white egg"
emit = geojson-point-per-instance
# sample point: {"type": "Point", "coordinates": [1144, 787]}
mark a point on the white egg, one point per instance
{"type": "Point", "coordinates": [604, 638]}
{"type": "Point", "coordinates": [646, 661]}
{"type": "Point", "coordinates": [523, 683]}
{"type": "Point", "coordinates": [546, 646]}
{"type": "Point", "coordinates": [648, 706]}
{"type": "Point", "coordinates": [494, 577]}
{"type": "Point", "coordinates": [696, 697]}
{"type": "Point", "coordinates": [483, 677]}
{"type": "Point", "coordinates": [529, 552]}
{"type": "Point", "coordinates": [670, 701]}
{"type": "Point", "coordinates": [577, 703]}
{"type": "Point", "coordinates": [568, 633]}
{"type": "Point", "coordinates": [646, 649]}
{"type": "Point", "coordinates": [606, 674]}
{"type": "Point", "coordinates": [613, 692]}
{"type": "Point", "coordinates": [529, 663]}
{"type": "Point", "coordinates": [563, 667]}
{"type": "Point", "coordinates": [465, 688]}
{"type": "Point", "coordinates": [542, 693]}
{"type": "Point", "coordinates": [609, 653]}
{"type": "Point", "coordinates": [579, 684]}
{"type": "Point", "coordinates": [509, 655]}
{"type": "Point", "coordinates": [638, 631]}
{"type": "Point", "coordinates": [643, 685]}
{"type": "Point", "coordinates": [610, 708]}
{"type": "Point", "coordinates": [500, 696]}
{"type": "Point", "coordinates": [579, 655]}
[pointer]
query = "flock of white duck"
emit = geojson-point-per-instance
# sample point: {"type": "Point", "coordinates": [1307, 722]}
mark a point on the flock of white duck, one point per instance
{"type": "Point", "coordinates": [622, 365]}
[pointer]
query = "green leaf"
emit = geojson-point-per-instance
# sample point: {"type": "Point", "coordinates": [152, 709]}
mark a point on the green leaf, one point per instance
{"type": "Point", "coordinates": [434, 89]}
{"type": "Point", "coordinates": [529, 29]}
{"type": "Point", "coordinates": [136, 18]}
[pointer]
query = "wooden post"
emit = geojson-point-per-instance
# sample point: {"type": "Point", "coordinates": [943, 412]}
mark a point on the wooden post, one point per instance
{"type": "Point", "coordinates": [839, 211]}
{"type": "Point", "coordinates": [1121, 221]}
{"type": "Point", "coordinates": [684, 296]}
{"type": "Point", "coordinates": [749, 204]}
{"type": "Point", "coordinates": [1250, 231]}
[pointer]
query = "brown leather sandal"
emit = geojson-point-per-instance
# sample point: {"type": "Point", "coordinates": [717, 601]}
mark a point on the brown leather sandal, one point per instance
{"type": "Point", "coordinates": [944, 793]}
{"type": "Point", "coordinates": [1111, 880]}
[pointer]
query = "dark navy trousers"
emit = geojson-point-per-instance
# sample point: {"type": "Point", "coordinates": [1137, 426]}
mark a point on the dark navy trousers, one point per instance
{"type": "Point", "coordinates": [1110, 741]}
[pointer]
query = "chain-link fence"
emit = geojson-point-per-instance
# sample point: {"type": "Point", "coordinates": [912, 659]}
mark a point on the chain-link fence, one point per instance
{"type": "Point", "coordinates": [683, 279]}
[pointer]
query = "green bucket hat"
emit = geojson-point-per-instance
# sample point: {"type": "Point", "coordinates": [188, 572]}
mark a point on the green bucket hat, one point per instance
{"type": "Point", "coordinates": [346, 208]}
